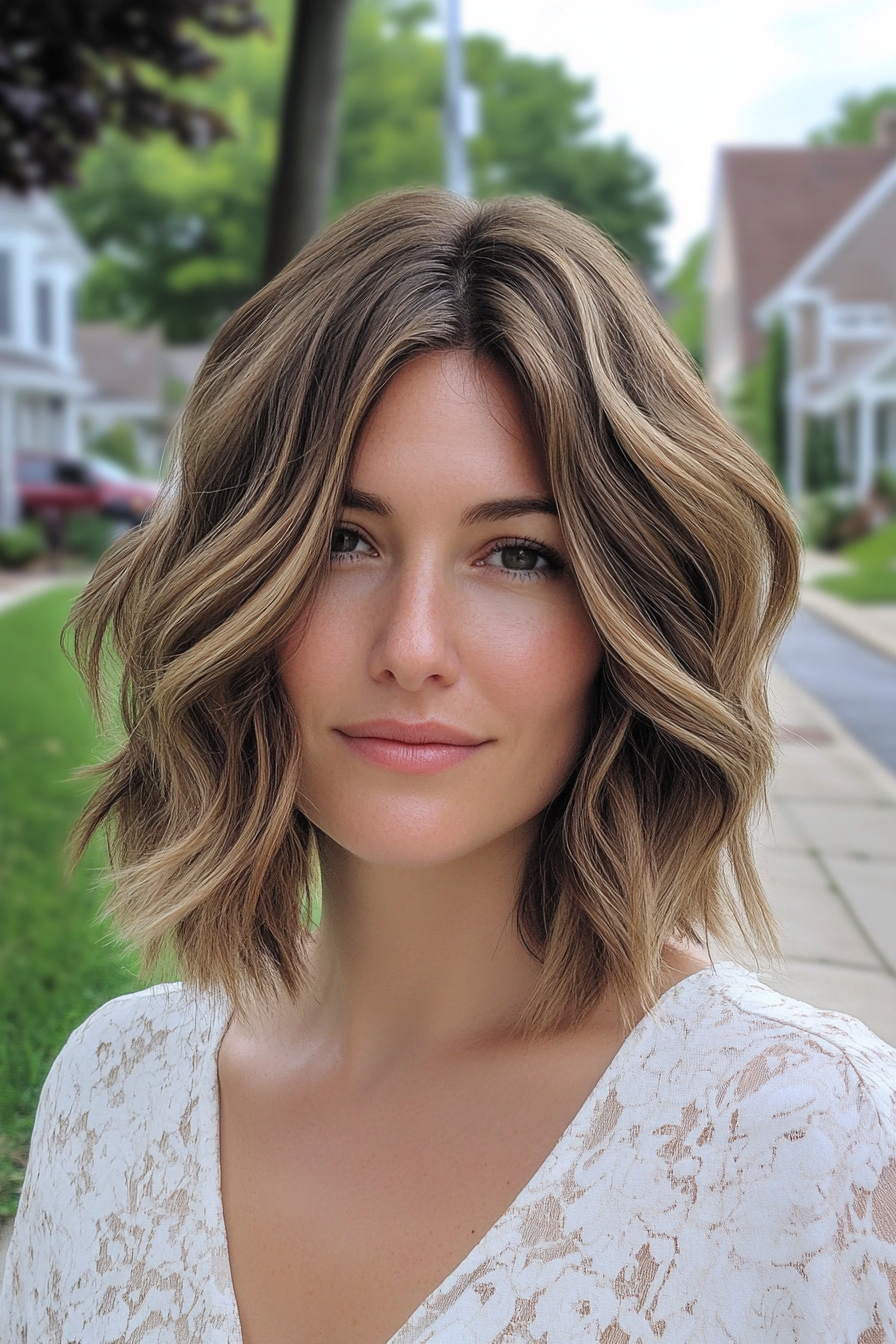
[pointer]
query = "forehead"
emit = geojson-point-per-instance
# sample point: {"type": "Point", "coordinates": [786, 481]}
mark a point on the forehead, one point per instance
{"type": "Point", "coordinates": [446, 419]}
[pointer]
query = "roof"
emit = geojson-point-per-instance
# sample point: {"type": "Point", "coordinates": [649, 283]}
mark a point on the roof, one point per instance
{"type": "Point", "coordinates": [782, 202]}
{"type": "Point", "coordinates": [122, 364]}
{"type": "Point", "coordinates": [37, 214]}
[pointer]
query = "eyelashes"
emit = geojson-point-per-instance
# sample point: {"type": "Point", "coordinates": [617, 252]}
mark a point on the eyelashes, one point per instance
{"type": "Point", "coordinates": [345, 539]}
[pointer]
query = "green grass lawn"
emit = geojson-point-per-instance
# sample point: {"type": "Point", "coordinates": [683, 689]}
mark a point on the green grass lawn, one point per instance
{"type": "Point", "coordinates": [57, 961]}
{"type": "Point", "coordinates": [874, 576]}
{"type": "Point", "coordinates": [864, 585]}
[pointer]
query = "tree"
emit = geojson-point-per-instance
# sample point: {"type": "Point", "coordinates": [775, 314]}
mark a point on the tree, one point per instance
{"type": "Point", "coordinates": [303, 178]}
{"type": "Point", "coordinates": [759, 407]}
{"type": "Point", "coordinates": [538, 124]}
{"type": "Point", "coordinates": [180, 235]}
{"type": "Point", "coordinates": [70, 67]}
{"type": "Point", "coordinates": [856, 121]}
{"type": "Point", "coordinates": [687, 295]}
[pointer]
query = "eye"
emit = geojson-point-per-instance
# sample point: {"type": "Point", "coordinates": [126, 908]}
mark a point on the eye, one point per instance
{"type": "Point", "coordinates": [524, 558]}
{"type": "Point", "coordinates": [348, 542]}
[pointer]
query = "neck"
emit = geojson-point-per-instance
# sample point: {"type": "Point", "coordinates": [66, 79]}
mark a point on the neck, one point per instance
{"type": "Point", "coordinates": [415, 959]}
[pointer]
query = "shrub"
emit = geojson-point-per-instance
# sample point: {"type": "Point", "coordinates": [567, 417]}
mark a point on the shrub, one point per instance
{"type": "Point", "coordinates": [885, 487]}
{"type": "Point", "coordinates": [89, 534]}
{"type": "Point", "coordinates": [20, 544]}
{"type": "Point", "coordinates": [831, 523]}
{"type": "Point", "coordinates": [118, 444]}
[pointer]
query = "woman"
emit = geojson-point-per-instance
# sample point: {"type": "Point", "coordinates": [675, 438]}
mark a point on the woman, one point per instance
{"type": "Point", "coordinates": [456, 619]}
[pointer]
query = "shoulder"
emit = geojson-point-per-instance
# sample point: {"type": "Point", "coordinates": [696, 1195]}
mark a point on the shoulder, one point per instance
{"type": "Point", "coordinates": [806, 1096]}
{"type": "Point", "coordinates": [765, 1036]}
{"type": "Point", "coordinates": [162, 1026]}
{"type": "Point", "coordinates": [129, 1070]}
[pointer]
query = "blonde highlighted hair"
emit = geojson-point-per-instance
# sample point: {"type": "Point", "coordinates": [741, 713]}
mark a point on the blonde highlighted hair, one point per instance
{"type": "Point", "coordinates": [681, 541]}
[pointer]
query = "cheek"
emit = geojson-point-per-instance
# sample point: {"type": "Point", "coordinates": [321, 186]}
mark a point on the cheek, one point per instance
{"type": "Point", "coordinates": [326, 648]}
{"type": "Point", "coordinates": [539, 671]}
{"type": "Point", "coordinates": [543, 664]}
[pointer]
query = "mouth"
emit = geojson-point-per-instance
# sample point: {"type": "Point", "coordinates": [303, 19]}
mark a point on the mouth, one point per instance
{"type": "Point", "coordinates": [422, 748]}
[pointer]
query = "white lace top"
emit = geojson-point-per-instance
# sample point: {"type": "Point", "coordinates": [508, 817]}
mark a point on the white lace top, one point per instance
{"type": "Point", "coordinates": [732, 1177]}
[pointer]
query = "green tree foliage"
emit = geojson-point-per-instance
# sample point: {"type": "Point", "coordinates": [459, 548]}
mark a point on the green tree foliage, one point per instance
{"type": "Point", "coordinates": [759, 408]}
{"type": "Point", "coordinates": [687, 299]}
{"type": "Point", "coordinates": [537, 133]}
{"type": "Point", "coordinates": [179, 234]}
{"type": "Point", "coordinates": [856, 119]}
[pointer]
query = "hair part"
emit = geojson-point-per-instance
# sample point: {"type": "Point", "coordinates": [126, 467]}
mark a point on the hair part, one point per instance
{"type": "Point", "coordinates": [682, 543]}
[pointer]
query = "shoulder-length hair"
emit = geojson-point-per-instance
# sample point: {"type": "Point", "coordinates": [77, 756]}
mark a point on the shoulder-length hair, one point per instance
{"type": "Point", "coordinates": [681, 541]}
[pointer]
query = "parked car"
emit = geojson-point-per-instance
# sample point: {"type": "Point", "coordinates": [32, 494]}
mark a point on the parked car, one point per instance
{"type": "Point", "coordinates": [51, 487]}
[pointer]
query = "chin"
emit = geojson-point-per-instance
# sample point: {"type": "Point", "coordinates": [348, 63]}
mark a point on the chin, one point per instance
{"type": "Point", "coordinates": [423, 839]}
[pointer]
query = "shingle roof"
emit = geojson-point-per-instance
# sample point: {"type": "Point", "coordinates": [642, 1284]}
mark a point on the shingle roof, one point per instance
{"type": "Point", "coordinates": [122, 363]}
{"type": "Point", "coordinates": [782, 202]}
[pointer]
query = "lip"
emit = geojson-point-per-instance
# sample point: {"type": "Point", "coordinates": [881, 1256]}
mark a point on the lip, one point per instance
{"type": "Point", "coordinates": [424, 747]}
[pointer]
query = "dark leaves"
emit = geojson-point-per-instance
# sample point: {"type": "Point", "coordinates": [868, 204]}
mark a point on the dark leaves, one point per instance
{"type": "Point", "coordinates": [69, 67]}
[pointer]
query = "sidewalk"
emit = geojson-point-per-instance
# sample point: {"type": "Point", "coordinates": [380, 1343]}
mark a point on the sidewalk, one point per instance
{"type": "Point", "coordinates": [829, 865]}
{"type": "Point", "coordinates": [18, 587]}
{"type": "Point", "coordinates": [874, 623]}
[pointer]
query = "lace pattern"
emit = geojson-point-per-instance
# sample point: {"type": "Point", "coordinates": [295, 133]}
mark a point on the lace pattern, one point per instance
{"type": "Point", "coordinates": [732, 1177]}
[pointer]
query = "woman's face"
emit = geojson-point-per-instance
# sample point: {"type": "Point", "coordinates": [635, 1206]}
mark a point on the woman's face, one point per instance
{"type": "Point", "coordinates": [450, 617]}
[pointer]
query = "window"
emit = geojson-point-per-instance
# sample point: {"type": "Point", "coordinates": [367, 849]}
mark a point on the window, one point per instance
{"type": "Point", "coordinates": [43, 294]}
{"type": "Point", "coordinates": [860, 321]}
{"type": "Point", "coordinates": [5, 294]}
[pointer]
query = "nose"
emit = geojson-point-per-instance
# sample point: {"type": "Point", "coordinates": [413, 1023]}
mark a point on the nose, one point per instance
{"type": "Point", "coordinates": [414, 636]}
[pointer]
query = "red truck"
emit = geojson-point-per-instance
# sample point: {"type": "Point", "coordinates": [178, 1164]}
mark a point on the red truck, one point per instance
{"type": "Point", "coordinates": [51, 487]}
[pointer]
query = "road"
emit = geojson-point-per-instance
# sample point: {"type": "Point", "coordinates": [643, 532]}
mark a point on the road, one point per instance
{"type": "Point", "coordinates": [854, 682]}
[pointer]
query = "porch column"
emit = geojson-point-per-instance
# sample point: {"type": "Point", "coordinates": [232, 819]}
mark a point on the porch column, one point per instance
{"type": "Point", "coordinates": [9, 500]}
{"type": "Point", "coordinates": [865, 447]}
{"type": "Point", "coordinates": [795, 464]}
{"type": "Point", "coordinates": [71, 428]}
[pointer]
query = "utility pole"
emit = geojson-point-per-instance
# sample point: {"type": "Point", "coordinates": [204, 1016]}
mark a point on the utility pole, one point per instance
{"type": "Point", "coordinates": [457, 176]}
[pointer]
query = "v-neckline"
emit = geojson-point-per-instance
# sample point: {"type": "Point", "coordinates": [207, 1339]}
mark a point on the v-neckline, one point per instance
{"type": "Point", "coordinates": [632, 1045]}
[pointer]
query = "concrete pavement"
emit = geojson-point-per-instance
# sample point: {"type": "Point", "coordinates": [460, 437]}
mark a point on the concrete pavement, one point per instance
{"type": "Point", "coordinates": [18, 587]}
{"type": "Point", "coordinates": [828, 863]}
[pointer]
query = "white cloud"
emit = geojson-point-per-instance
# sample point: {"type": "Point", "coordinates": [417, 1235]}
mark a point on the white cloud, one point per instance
{"type": "Point", "coordinates": [681, 77]}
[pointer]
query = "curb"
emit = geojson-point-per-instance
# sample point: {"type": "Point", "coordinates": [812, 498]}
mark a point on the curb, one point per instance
{"type": "Point", "coordinates": [23, 590]}
{"type": "Point", "coordinates": [852, 621]}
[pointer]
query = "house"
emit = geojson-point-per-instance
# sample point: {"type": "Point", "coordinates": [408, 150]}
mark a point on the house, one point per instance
{"type": "Point", "coordinates": [41, 387]}
{"type": "Point", "coordinates": [808, 237]}
{"type": "Point", "coordinates": [63, 383]}
{"type": "Point", "coordinates": [135, 380]}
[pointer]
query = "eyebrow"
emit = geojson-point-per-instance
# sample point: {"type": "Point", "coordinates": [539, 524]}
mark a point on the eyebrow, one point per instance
{"type": "Point", "coordinates": [492, 511]}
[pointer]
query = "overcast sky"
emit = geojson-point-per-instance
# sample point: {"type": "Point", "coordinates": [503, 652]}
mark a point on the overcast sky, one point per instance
{"type": "Point", "coordinates": [681, 77]}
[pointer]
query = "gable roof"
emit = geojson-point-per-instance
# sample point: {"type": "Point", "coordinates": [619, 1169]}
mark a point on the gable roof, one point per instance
{"type": "Point", "coordinates": [782, 202]}
{"type": "Point", "coordinates": [122, 364]}
{"type": "Point", "coordinates": [832, 241]}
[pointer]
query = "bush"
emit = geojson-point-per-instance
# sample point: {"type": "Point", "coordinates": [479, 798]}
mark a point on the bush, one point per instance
{"type": "Point", "coordinates": [118, 444]}
{"type": "Point", "coordinates": [831, 523]}
{"type": "Point", "coordinates": [20, 544]}
{"type": "Point", "coordinates": [885, 487]}
{"type": "Point", "coordinates": [89, 534]}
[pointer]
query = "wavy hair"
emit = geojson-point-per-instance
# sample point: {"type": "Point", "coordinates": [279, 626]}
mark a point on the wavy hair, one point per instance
{"type": "Point", "coordinates": [681, 541]}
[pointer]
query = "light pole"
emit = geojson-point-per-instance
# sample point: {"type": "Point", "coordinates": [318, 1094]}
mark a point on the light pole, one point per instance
{"type": "Point", "coordinates": [457, 176]}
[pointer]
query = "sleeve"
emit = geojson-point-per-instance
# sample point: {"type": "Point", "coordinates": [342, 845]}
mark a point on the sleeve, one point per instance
{"type": "Point", "coordinates": [27, 1292]}
{"type": "Point", "coordinates": [825, 1223]}
{"type": "Point", "coordinates": [858, 1274]}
